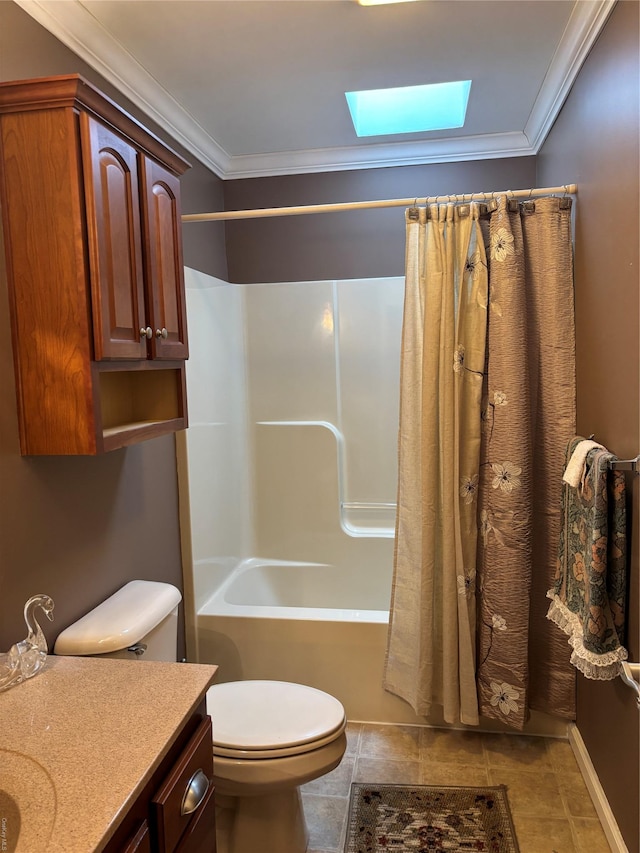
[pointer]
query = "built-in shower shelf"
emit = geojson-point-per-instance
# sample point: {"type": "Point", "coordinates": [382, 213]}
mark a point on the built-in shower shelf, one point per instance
{"type": "Point", "coordinates": [368, 519]}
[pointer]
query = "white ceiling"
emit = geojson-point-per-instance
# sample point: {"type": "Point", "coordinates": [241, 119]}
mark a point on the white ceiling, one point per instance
{"type": "Point", "coordinates": [256, 87]}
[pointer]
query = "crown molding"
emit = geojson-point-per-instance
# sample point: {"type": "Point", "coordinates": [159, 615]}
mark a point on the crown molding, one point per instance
{"type": "Point", "coordinates": [375, 156]}
{"type": "Point", "coordinates": [75, 27]}
{"type": "Point", "coordinates": [583, 28]}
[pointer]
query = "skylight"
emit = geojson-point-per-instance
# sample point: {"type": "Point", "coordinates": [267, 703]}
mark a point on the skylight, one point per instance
{"type": "Point", "coordinates": [409, 109]}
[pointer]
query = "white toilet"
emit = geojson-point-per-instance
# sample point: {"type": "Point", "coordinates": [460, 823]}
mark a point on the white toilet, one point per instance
{"type": "Point", "coordinates": [269, 737]}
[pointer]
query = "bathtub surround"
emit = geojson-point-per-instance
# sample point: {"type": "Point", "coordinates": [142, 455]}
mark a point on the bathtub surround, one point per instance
{"type": "Point", "coordinates": [287, 415]}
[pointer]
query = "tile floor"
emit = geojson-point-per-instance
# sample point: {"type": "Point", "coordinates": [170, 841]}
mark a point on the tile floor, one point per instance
{"type": "Point", "coordinates": [550, 805]}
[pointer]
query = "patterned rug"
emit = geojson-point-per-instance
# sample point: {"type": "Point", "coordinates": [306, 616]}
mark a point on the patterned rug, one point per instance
{"type": "Point", "coordinates": [428, 819]}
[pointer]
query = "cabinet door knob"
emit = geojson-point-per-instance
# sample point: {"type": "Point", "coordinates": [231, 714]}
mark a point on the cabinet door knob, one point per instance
{"type": "Point", "coordinates": [146, 332]}
{"type": "Point", "coordinates": [197, 788]}
{"type": "Point", "coordinates": [162, 333]}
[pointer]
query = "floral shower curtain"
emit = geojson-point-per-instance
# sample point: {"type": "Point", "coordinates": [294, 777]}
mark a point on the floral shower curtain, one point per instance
{"type": "Point", "coordinates": [528, 418]}
{"type": "Point", "coordinates": [487, 408]}
{"type": "Point", "coordinates": [431, 649]}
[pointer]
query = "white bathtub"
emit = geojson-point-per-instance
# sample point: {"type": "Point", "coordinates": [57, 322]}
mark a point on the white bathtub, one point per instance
{"type": "Point", "coordinates": [279, 620]}
{"type": "Point", "coordinates": [258, 625]}
{"type": "Point", "coordinates": [287, 590]}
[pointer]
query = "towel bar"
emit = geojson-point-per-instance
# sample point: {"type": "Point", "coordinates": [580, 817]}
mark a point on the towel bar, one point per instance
{"type": "Point", "coordinates": [629, 673]}
{"type": "Point", "coordinates": [625, 464]}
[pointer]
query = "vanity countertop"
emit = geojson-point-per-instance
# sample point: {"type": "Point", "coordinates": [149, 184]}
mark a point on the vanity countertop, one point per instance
{"type": "Point", "coordinates": [78, 742]}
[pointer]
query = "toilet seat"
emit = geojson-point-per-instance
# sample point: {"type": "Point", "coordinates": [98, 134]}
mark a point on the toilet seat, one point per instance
{"type": "Point", "coordinates": [272, 719]}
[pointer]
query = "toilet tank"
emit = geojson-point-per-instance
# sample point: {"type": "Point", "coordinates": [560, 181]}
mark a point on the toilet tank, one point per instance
{"type": "Point", "coordinates": [141, 613]}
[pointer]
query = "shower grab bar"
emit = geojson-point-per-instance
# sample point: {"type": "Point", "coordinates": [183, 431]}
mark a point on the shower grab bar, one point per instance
{"type": "Point", "coordinates": [630, 674]}
{"type": "Point", "coordinates": [625, 465]}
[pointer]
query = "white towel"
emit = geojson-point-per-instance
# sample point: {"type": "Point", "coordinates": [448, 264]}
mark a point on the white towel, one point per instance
{"type": "Point", "coordinates": [574, 472]}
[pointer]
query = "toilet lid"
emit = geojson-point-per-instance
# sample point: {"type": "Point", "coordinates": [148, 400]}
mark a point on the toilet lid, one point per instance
{"type": "Point", "coordinates": [265, 716]}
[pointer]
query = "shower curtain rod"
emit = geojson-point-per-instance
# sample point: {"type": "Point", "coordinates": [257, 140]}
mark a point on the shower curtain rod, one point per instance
{"type": "Point", "coordinates": [259, 213]}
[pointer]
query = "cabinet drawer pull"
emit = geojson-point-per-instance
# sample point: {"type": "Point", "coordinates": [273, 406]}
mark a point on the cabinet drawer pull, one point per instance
{"type": "Point", "coordinates": [196, 791]}
{"type": "Point", "coordinates": [146, 332]}
{"type": "Point", "coordinates": [161, 333]}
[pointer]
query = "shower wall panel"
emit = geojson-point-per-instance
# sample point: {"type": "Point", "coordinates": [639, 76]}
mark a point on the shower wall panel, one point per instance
{"type": "Point", "coordinates": [216, 441]}
{"type": "Point", "coordinates": [296, 489]}
{"type": "Point", "coordinates": [369, 329]}
{"type": "Point", "coordinates": [291, 351]}
{"type": "Point", "coordinates": [323, 379]}
{"type": "Point", "coordinates": [291, 450]}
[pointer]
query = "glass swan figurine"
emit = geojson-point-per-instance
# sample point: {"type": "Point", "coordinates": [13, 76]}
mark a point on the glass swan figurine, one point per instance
{"type": "Point", "coordinates": [26, 658]}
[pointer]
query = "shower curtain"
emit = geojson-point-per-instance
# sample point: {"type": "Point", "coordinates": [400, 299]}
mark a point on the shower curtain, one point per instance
{"type": "Point", "coordinates": [431, 648]}
{"type": "Point", "coordinates": [467, 628]}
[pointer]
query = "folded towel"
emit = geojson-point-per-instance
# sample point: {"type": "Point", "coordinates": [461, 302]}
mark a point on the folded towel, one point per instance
{"type": "Point", "coordinates": [575, 470]}
{"type": "Point", "coordinates": [588, 595]}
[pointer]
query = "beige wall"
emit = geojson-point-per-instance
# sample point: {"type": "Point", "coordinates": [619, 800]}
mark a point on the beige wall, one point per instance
{"type": "Point", "coordinates": [595, 143]}
{"type": "Point", "coordinates": [79, 528]}
{"type": "Point", "coordinates": [360, 244]}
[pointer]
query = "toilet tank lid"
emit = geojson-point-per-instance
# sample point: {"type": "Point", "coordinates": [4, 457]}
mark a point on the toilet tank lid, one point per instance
{"type": "Point", "coordinates": [121, 620]}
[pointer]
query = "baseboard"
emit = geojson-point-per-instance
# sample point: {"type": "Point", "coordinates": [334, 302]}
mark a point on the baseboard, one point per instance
{"type": "Point", "coordinates": [600, 802]}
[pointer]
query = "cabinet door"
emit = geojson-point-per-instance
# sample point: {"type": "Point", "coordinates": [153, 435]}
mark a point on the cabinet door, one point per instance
{"type": "Point", "coordinates": [115, 249]}
{"type": "Point", "coordinates": [171, 820]}
{"type": "Point", "coordinates": [163, 259]}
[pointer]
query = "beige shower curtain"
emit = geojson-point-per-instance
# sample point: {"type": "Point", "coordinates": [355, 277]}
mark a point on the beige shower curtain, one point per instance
{"type": "Point", "coordinates": [431, 648]}
{"type": "Point", "coordinates": [487, 408]}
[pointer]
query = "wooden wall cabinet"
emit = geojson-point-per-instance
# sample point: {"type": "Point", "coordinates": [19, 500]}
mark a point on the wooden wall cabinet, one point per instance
{"type": "Point", "coordinates": [92, 229]}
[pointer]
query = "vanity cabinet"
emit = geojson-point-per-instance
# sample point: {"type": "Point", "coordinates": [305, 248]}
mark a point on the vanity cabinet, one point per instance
{"type": "Point", "coordinates": [108, 751]}
{"type": "Point", "coordinates": [92, 229]}
{"type": "Point", "coordinates": [183, 809]}
{"type": "Point", "coordinates": [176, 811]}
